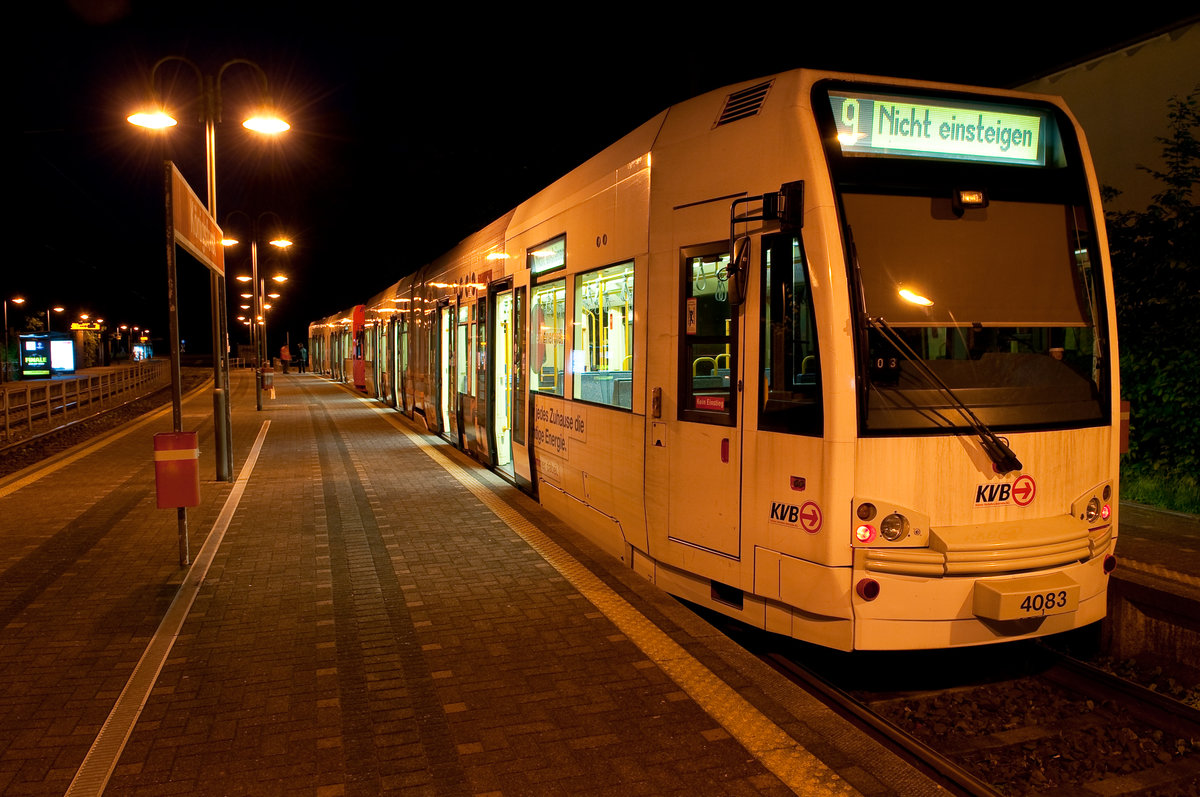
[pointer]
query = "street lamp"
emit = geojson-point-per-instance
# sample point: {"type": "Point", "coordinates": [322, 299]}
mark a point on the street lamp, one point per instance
{"type": "Point", "coordinates": [256, 294]}
{"type": "Point", "coordinates": [17, 300]}
{"type": "Point", "coordinates": [264, 121]}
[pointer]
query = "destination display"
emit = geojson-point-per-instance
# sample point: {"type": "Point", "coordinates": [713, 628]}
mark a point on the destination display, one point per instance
{"type": "Point", "coordinates": [898, 126]}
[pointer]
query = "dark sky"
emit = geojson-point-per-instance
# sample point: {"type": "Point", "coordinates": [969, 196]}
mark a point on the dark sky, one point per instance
{"type": "Point", "coordinates": [408, 134]}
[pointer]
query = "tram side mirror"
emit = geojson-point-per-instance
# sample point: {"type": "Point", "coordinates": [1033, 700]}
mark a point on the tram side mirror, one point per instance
{"type": "Point", "coordinates": [791, 206]}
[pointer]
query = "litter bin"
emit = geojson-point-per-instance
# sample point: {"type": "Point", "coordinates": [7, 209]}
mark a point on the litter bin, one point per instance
{"type": "Point", "coordinates": [268, 381]}
{"type": "Point", "coordinates": [176, 470]}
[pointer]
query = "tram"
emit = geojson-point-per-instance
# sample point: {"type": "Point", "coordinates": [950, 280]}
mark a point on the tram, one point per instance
{"type": "Point", "coordinates": [834, 355]}
{"type": "Point", "coordinates": [336, 346]}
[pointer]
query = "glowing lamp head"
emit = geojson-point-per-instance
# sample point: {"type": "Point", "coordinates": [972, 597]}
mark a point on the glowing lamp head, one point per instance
{"type": "Point", "coordinates": [864, 533]}
{"type": "Point", "coordinates": [266, 122]}
{"type": "Point", "coordinates": [153, 120]}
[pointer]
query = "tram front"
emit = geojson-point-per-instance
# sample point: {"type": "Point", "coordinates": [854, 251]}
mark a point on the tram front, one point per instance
{"type": "Point", "coordinates": [985, 464]}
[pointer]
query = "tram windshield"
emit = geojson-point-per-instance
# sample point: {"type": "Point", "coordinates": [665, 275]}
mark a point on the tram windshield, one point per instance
{"type": "Point", "coordinates": [996, 304]}
{"type": "Point", "coordinates": [1000, 303]}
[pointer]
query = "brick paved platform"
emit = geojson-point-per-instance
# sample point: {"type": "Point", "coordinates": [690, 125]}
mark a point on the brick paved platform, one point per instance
{"type": "Point", "coordinates": [367, 612]}
{"type": "Point", "coordinates": [367, 616]}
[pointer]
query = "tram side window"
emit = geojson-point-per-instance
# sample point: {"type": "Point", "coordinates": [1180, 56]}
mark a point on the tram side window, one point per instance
{"type": "Point", "coordinates": [548, 306]}
{"type": "Point", "coordinates": [462, 358]}
{"type": "Point", "coordinates": [791, 375]}
{"type": "Point", "coordinates": [602, 358]}
{"type": "Point", "coordinates": [708, 367]}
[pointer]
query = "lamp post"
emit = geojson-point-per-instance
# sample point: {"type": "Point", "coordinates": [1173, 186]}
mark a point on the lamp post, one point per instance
{"type": "Point", "coordinates": [17, 300]}
{"type": "Point", "coordinates": [256, 308]}
{"type": "Point", "coordinates": [265, 121]}
{"type": "Point", "coordinates": [55, 309]}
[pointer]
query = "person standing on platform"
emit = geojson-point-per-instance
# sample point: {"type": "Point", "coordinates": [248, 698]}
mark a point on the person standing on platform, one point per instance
{"type": "Point", "coordinates": [285, 357]}
{"type": "Point", "coordinates": [302, 364]}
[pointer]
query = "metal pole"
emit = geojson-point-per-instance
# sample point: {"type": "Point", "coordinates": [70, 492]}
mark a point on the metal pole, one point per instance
{"type": "Point", "coordinates": [262, 310]}
{"type": "Point", "coordinates": [6, 340]}
{"type": "Point", "coordinates": [256, 333]}
{"type": "Point", "coordinates": [176, 379]}
{"type": "Point", "coordinates": [221, 430]}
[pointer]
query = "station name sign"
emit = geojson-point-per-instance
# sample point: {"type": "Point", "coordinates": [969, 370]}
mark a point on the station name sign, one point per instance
{"type": "Point", "coordinates": [194, 227]}
{"type": "Point", "coordinates": [907, 126]}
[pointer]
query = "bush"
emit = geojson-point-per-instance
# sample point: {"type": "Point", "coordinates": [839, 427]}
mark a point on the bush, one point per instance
{"type": "Point", "coordinates": [1156, 271]}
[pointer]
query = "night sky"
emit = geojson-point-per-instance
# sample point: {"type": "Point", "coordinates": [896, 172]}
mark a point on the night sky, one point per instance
{"type": "Point", "coordinates": [407, 134]}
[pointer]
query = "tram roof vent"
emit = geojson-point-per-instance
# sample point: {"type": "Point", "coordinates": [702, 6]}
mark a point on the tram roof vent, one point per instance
{"type": "Point", "coordinates": [745, 103]}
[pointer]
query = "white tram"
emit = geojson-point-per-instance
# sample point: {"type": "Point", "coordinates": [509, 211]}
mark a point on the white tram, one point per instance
{"type": "Point", "coordinates": [834, 355]}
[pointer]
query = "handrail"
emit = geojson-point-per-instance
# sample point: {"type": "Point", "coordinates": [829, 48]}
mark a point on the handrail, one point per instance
{"type": "Point", "coordinates": [24, 404]}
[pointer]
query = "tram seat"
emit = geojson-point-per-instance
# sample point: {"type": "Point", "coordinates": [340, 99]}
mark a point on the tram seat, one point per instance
{"type": "Point", "coordinates": [603, 387]}
{"type": "Point", "coordinates": [623, 391]}
{"type": "Point", "coordinates": [595, 386]}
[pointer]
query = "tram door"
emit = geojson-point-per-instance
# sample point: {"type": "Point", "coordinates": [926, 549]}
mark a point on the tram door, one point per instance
{"type": "Point", "coordinates": [502, 380]}
{"type": "Point", "coordinates": [446, 370]}
{"type": "Point", "coordinates": [405, 396]}
{"type": "Point", "coordinates": [704, 442]}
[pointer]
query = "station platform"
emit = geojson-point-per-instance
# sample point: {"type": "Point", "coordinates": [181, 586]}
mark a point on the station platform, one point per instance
{"type": "Point", "coordinates": [366, 612]}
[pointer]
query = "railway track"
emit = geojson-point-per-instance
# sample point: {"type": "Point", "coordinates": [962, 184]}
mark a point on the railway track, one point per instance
{"type": "Point", "coordinates": [32, 448]}
{"type": "Point", "coordinates": [1023, 720]}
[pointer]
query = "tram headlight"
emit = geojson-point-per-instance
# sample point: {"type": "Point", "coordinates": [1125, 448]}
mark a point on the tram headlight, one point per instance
{"type": "Point", "coordinates": [894, 527]}
{"type": "Point", "coordinates": [1093, 510]}
{"type": "Point", "coordinates": [866, 511]}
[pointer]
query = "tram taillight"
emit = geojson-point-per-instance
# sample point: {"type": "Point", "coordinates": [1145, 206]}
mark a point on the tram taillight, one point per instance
{"type": "Point", "coordinates": [864, 533]}
{"type": "Point", "coordinates": [867, 589]}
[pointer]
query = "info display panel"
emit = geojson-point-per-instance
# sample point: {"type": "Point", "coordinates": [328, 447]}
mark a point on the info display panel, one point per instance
{"type": "Point", "coordinates": [908, 126]}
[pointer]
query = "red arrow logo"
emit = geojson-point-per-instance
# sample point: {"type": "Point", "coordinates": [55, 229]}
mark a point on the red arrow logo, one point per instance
{"type": "Point", "coordinates": [1023, 490]}
{"type": "Point", "coordinates": [810, 517]}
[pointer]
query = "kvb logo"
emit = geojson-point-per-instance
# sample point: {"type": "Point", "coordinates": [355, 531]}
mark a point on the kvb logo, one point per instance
{"type": "Point", "coordinates": [807, 517]}
{"type": "Point", "coordinates": [1020, 493]}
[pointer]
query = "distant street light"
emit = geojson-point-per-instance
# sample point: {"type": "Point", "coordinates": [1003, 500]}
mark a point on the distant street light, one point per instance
{"type": "Point", "coordinates": [257, 331]}
{"type": "Point", "coordinates": [17, 300]}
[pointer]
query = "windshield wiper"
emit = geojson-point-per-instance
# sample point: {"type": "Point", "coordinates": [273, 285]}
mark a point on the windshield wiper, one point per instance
{"type": "Point", "coordinates": [1003, 459]}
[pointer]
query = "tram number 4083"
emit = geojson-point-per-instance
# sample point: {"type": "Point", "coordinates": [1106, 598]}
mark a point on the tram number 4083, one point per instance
{"type": "Point", "coordinates": [1047, 602]}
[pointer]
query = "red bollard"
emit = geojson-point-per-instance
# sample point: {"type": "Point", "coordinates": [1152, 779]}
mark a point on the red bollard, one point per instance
{"type": "Point", "coordinates": [176, 469]}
